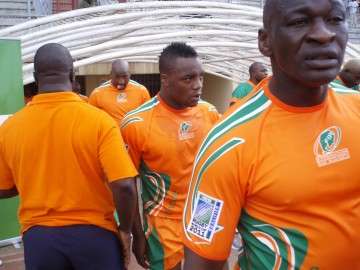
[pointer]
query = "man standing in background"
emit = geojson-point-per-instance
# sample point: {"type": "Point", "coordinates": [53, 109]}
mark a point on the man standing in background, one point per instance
{"type": "Point", "coordinates": [120, 95]}
{"type": "Point", "coordinates": [257, 72]}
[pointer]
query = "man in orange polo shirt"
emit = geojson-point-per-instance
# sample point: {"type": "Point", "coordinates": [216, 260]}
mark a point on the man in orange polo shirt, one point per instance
{"type": "Point", "coordinates": [283, 166]}
{"type": "Point", "coordinates": [120, 95]}
{"type": "Point", "coordinates": [67, 161]}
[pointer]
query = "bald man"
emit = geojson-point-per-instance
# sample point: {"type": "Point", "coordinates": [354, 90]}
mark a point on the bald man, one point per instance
{"type": "Point", "coordinates": [121, 95]}
{"type": "Point", "coordinates": [55, 153]}
{"type": "Point", "coordinates": [257, 72]}
{"type": "Point", "coordinates": [282, 167]}
{"type": "Point", "coordinates": [349, 76]}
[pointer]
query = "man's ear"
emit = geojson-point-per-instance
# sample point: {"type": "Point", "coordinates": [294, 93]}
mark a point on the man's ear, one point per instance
{"type": "Point", "coordinates": [264, 42]}
{"type": "Point", "coordinates": [164, 79]}
{"type": "Point", "coordinates": [72, 77]}
{"type": "Point", "coordinates": [35, 78]}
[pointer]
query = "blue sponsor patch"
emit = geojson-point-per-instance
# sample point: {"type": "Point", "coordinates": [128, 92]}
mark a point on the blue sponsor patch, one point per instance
{"type": "Point", "coordinates": [205, 217]}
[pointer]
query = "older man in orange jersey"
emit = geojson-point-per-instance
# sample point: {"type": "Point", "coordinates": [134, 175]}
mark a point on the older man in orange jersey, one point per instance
{"type": "Point", "coordinates": [120, 95]}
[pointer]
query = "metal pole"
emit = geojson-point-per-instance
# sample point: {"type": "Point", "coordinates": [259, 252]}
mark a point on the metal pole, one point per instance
{"type": "Point", "coordinates": [29, 8]}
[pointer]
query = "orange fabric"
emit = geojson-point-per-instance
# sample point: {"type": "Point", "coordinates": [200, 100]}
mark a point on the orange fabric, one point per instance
{"type": "Point", "coordinates": [168, 233]}
{"type": "Point", "coordinates": [287, 178]}
{"type": "Point", "coordinates": [118, 102]}
{"type": "Point", "coordinates": [162, 142]}
{"type": "Point", "coordinates": [56, 151]}
{"type": "Point", "coordinates": [84, 98]}
{"type": "Point", "coordinates": [154, 137]}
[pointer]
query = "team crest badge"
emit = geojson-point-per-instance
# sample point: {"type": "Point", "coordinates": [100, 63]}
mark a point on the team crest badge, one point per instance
{"type": "Point", "coordinates": [185, 131]}
{"type": "Point", "coordinates": [326, 147]}
{"type": "Point", "coordinates": [121, 98]}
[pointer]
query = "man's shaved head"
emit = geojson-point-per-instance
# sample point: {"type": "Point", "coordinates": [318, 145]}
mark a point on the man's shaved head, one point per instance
{"type": "Point", "coordinates": [271, 7]}
{"type": "Point", "coordinates": [120, 74]}
{"type": "Point", "coordinates": [350, 73]}
{"type": "Point", "coordinates": [257, 72]}
{"type": "Point", "coordinates": [51, 59]}
{"type": "Point", "coordinates": [53, 68]}
{"type": "Point", "coordinates": [120, 66]}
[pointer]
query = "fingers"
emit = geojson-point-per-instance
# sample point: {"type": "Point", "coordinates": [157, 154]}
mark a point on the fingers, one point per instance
{"type": "Point", "coordinates": [143, 261]}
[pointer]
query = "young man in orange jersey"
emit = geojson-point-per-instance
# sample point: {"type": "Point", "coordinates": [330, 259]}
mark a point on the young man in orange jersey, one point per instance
{"type": "Point", "coordinates": [283, 167]}
{"type": "Point", "coordinates": [162, 137]}
{"type": "Point", "coordinates": [55, 153]}
{"type": "Point", "coordinates": [120, 95]}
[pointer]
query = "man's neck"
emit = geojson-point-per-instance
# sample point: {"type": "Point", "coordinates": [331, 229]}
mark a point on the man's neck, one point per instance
{"type": "Point", "coordinates": [295, 94]}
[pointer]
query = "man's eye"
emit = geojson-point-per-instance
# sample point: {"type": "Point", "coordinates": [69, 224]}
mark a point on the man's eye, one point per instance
{"type": "Point", "coordinates": [336, 19]}
{"type": "Point", "coordinates": [298, 22]}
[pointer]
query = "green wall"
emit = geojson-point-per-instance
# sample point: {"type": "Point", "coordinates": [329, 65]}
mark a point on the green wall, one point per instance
{"type": "Point", "coordinates": [11, 100]}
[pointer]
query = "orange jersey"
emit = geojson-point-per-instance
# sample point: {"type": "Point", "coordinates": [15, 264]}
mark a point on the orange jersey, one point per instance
{"type": "Point", "coordinates": [118, 102]}
{"type": "Point", "coordinates": [162, 142]}
{"type": "Point", "coordinates": [287, 177]}
{"type": "Point", "coordinates": [56, 152]}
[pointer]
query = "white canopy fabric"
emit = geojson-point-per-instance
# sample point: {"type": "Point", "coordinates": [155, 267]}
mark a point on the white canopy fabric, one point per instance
{"type": "Point", "coordinates": [225, 35]}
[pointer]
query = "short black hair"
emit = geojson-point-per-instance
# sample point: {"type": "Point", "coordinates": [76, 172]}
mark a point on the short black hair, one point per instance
{"type": "Point", "coordinates": [174, 50]}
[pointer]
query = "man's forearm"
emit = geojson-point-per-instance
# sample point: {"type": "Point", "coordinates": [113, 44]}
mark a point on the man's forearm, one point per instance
{"type": "Point", "coordinates": [8, 193]}
{"type": "Point", "coordinates": [124, 193]}
{"type": "Point", "coordinates": [137, 229]}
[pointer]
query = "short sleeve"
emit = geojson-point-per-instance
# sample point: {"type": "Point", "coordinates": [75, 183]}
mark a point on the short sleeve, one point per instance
{"type": "Point", "coordinates": [146, 95]}
{"type": "Point", "coordinates": [112, 152]}
{"type": "Point", "coordinates": [93, 98]}
{"type": "Point", "coordinates": [133, 137]}
{"type": "Point", "coordinates": [6, 178]}
{"type": "Point", "coordinates": [214, 114]}
{"type": "Point", "coordinates": [214, 202]}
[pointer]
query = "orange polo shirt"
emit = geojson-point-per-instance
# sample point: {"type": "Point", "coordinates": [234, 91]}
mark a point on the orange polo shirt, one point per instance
{"type": "Point", "coordinates": [56, 151]}
{"type": "Point", "coordinates": [119, 102]}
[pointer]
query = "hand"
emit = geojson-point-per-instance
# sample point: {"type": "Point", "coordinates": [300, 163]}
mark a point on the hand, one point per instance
{"type": "Point", "coordinates": [125, 241]}
{"type": "Point", "coordinates": [140, 250]}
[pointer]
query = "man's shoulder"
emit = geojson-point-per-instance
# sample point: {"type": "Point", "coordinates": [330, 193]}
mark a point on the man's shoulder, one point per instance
{"type": "Point", "coordinates": [239, 124]}
{"type": "Point", "coordinates": [242, 89]}
{"type": "Point", "coordinates": [133, 85]}
{"type": "Point", "coordinates": [340, 89]}
{"type": "Point", "coordinates": [206, 106]}
{"type": "Point", "coordinates": [101, 89]}
{"type": "Point", "coordinates": [140, 114]}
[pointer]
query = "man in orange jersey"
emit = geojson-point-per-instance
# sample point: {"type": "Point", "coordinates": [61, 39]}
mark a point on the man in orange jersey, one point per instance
{"type": "Point", "coordinates": [283, 167]}
{"type": "Point", "coordinates": [162, 137]}
{"type": "Point", "coordinates": [55, 153]}
{"type": "Point", "coordinates": [121, 95]}
{"type": "Point", "coordinates": [257, 72]}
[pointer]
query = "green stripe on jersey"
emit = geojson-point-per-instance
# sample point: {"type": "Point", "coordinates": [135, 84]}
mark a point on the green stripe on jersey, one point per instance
{"type": "Point", "coordinates": [219, 152]}
{"type": "Point", "coordinates": [144, 107]}
{"type": "Point", "coordinates": [249, 110]}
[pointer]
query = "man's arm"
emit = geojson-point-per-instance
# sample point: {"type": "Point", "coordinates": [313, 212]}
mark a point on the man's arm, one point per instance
{"type": "Point", "coordinates": [124, 194]}
{"type": "Point", "coordinates": [139, 241]}
{"type": "Point", "coordinates": [8, 193]}
{"type": "Point", "coordinates": [194, 261]}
